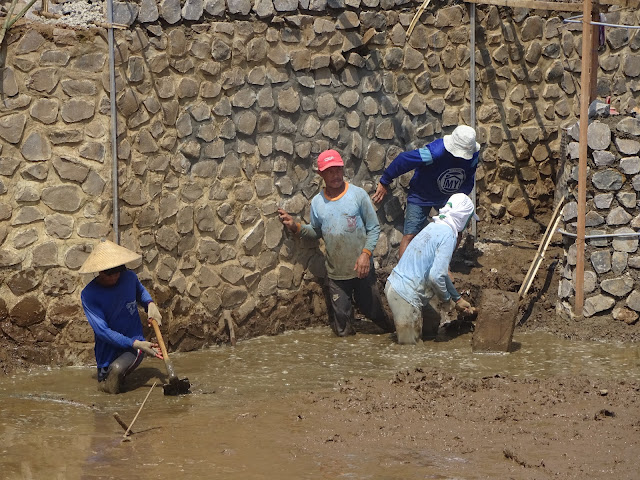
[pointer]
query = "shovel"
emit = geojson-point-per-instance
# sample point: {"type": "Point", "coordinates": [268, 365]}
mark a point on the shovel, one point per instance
{"type": "Point", "coordinates": [176, 386]}
{"type": "Point", "coordinates": [498, 309]}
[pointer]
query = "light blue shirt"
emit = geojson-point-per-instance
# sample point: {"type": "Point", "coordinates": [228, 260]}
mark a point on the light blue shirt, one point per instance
{"type": "Point", "coordinates": [347, 224]}
{"type": "Point", "coordinates": [423, 269]}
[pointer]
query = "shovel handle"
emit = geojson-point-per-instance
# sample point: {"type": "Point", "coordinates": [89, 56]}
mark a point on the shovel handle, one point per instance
{"type": "Point", "coordinates": [156, 329]}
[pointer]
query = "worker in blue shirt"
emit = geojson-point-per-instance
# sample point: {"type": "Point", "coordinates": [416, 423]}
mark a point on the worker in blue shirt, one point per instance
{"type": "Point", "coordinates": [442, 168]}
{"type": "Point", "coordinates": [110, 302]}
{"type": "Point", "coordinates": [344, 217]}
{"type": "Point", "coordinates": [422, 272]}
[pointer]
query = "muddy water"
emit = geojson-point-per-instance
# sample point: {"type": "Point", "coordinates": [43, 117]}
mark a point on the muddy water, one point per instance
{"type": "Point", "coordinates": [54, 424]}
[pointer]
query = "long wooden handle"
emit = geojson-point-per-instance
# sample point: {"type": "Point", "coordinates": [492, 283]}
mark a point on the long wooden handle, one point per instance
{"type": "Point", "coordinates": [156, 329]}
{"type": "Point", "coordinates": [165, 355]}
{"type": "Point", "coordinates": [544, 243]}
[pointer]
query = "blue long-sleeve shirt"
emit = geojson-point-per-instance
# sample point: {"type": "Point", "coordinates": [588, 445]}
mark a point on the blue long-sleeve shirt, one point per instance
{"type": "Point", "coordinates": [438, 174]}
{"type": "Point", "coordinates": [348, 224]}
{"type": "Point", "coordinates": [113, 314]}
{"type": "Point", "coordinates": [423, 269]}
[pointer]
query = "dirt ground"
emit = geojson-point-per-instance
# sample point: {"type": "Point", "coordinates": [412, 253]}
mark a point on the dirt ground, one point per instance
{"type": "Point", "coordinates": [569, 428]}
{"type": "Point", "coordinates": [496, 427]}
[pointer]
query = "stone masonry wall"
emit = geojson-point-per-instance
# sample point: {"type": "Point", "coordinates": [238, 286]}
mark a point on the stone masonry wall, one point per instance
{"type": "Point", "coordinates": [612, 265]}
{"type": "Point", "coordinates": [222, 109]}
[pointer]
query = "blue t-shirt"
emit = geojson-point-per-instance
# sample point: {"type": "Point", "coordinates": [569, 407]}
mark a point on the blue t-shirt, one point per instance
{"type": "Point", "coordinates": [347, 224]}
{"type": "Point", "coordinates": [438, 174]}
{"type": "Point", "coordinates": [113, 314]}
{"type": "Point", "coordinates": [423, 269]}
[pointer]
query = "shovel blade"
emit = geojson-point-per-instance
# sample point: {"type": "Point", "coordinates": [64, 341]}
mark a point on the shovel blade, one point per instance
{"type": "Point", "coordinates": [497, 312]}
{"type": "Point", "coordinates": [177, 386]}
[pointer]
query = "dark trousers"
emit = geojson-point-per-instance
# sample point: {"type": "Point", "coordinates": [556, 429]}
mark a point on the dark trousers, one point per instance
{"type": "Point", "coordinates": [366, 295]}
{"type": "Point", "coordinates": [123, 365]}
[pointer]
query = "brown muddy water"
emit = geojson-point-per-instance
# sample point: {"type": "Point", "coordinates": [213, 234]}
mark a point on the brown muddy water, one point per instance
{"type": "Point", "coordinates": [54, 424]}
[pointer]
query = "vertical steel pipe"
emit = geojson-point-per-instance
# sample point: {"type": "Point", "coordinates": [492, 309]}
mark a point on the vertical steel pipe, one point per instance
{"type": "Point", "coordinates": [114, 123]}
{"type": "Point", "coordinates": [472, 94]}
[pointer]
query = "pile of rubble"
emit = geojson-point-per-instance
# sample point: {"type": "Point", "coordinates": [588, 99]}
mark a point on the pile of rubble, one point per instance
{"type": "Point", "coordinates": [74, 13]}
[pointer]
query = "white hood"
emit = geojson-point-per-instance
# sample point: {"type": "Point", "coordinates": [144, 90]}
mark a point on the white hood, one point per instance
{"type": "Point", "coordinates": [456, 212]}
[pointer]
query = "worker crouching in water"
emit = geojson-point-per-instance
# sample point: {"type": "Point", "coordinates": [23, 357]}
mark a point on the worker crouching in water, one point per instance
{"type": "Point", "coordinates": [110, 302]}
{"type": "Point", "coordinates": [423, 270]}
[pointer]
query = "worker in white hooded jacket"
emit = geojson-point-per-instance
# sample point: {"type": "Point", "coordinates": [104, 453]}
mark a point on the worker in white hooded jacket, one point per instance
{"type": "Point", "coordinates": [423, 270]}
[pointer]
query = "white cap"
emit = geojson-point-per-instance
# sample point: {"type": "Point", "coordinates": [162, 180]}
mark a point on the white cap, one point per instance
{"type": "Point", "coordinates": [462, 142]}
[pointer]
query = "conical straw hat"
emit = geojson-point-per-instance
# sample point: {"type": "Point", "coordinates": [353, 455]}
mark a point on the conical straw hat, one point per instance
{"type": "Point", "coordinates": [107, 255]}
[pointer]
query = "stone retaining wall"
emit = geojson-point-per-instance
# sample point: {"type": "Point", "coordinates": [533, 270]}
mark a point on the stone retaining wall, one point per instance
{"type": "Point", "coordinates": [612, 264]}
{"type": "Point", "coordinates": [222, 109]}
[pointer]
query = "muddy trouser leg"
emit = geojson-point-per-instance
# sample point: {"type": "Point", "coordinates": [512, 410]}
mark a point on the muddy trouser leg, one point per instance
{"type": "Point", "coordinates": [110, 379]}
{"type": "Point", "coordinates": [367, 297]}
{"type": "Point", "coordinates": [341, 313]}
{"type": "Point", "coordinates": [408, 319]}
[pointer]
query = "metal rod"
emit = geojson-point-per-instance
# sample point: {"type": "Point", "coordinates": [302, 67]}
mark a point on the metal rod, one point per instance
{"type": "Point", "coordinates": [537, 5]}
{"type": "Point", "coordinates": [595, 63]}
{"type": "Point", "coordinates": [114, 123]}
{"type": "Point", "coordinates": [615, 25]}
{"type": "Point", "coordinates": [472, 94]}
{"type": "Point", "coordinates": [585, 80]}
{"type": "Point", "coordinates": [605, 235]}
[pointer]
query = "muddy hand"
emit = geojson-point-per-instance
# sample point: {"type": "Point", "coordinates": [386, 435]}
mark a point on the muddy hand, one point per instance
{"type": "Point", "coordinates": [463, 306]}
{"type": "Point", "coordinates": [287, 221]}
{"type": "Point", "coordinates": [380, 193]}
{"type": "Point", "coordinates": [362, 265]}
{"type": "Point", "coordinates": [149, 348]}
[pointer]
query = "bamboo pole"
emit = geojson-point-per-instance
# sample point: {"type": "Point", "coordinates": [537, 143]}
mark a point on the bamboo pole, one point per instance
{"type": "Point", "coordinates": [126, 434]}
{"type": "Point", "coordinates": [416, 17]}
{"type": "Point", "coordinates": [5, 26]}
{"type": "Point", "coordinates": [546, 240]}
{"type": "Point", "coordinates": [585, 90]}
{"type": "Point", "coordinates": [21, 13]}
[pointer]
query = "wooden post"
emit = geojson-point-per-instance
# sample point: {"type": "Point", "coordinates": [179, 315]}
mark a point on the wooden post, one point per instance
{"type": "Point", "coordinates": [585, 90]}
